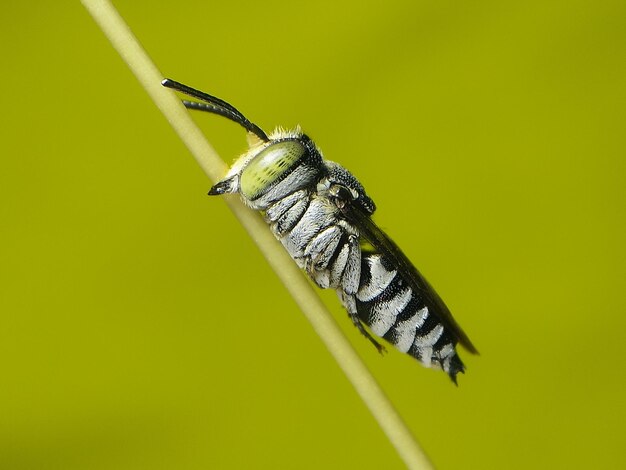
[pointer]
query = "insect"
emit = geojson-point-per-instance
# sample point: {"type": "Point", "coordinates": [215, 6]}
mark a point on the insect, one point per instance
{"type": "Point", "coordinates": [323, 217]}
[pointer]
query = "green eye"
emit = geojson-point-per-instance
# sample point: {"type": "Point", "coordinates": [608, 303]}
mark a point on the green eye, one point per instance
{"type": "Point", "coordinates": [269, 166]}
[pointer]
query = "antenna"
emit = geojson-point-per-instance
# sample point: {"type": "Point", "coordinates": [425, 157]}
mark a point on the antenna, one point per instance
{"type": "Point", "coordinates": [215, 105]}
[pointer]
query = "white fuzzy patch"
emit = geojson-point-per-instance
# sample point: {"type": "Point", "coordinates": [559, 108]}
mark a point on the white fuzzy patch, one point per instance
{"type": "Point", "coordinates": [352, 273]}
{"type": "Point", "coordinates": [430, 338]}
{"type": "Point", "coordinates": [321, 241]}
{"type": "Point", "coordinates": [321, 261]}
{"type": "Point", "coordinates": [384, 313]}
{"type": "Point", "coordinates": [281, 133]}
{"type": "Point", "coordinates": [290, 217]}
{"type": "Point", "coordinates": [426, 356]}
{"type": "Point", "coordinates": [337, 268]}
{"type": "Point", "coordinates": [407, 329]}
{"type": "Point", "coordinates": [275, 211]}
{"type": "Point", "coordinates": [380, 279]}
{"type": "Point", "coordinates": [321, 278]}
{"type": "Point", "coordinates": [318, 215]}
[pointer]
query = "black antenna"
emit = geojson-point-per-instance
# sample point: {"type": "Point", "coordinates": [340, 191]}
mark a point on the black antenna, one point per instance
{"type": "Point", "coordinates": [215, 105]}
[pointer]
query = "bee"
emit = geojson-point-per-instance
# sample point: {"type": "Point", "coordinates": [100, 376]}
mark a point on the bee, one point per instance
{"type": "Point", "coordinates": [323, 217]}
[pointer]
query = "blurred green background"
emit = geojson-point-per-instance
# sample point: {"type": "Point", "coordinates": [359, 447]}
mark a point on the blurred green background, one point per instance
{"type": "Point", "coordinates": [141, 329]}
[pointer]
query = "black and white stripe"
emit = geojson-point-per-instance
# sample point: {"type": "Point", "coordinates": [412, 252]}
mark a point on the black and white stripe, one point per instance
{"type": "Point", "coordinates": [388, 305]}
{"type": "Point", "coordinates": [369, 286]}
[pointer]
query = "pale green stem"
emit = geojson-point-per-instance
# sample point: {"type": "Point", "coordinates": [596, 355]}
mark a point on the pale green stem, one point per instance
{"type": "Point", "coordinates": [322, 321]}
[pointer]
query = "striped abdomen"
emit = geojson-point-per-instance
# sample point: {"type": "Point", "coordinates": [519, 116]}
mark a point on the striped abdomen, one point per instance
{"type": "Point", "coordinates": [371, 289]}
{"type": "Point", "coordinates": [389, 306]}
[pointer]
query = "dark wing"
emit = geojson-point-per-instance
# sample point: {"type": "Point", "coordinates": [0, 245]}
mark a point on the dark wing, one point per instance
{"type": "Point", "coordinates": [387, 247]}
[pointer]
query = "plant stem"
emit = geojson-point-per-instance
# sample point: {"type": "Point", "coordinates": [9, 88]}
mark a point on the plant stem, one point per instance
{"type": "Point", "coordinates": [307, 299]}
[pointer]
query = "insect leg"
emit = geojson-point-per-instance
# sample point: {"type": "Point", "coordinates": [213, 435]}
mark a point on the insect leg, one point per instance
{"type": "Point", "coordinates": [318, 254]}
{"type": "Point", "coordinates": [349, 303]}
{"type": "Point", "coordinates": [352, 272]}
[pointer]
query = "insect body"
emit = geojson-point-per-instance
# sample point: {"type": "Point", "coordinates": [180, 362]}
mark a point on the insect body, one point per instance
{"type": "Point", "coordinates": [322, 215]}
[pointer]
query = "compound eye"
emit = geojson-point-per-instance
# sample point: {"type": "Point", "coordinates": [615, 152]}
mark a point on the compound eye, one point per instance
{"type": "Point", "coordinates": [269, 166]}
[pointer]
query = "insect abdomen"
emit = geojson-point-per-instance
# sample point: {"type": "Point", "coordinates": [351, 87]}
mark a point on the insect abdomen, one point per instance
{"type": "Point", "coordinates": [369, 286]}
{"type": "Point", "coordinates": [392, 310]}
